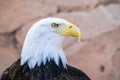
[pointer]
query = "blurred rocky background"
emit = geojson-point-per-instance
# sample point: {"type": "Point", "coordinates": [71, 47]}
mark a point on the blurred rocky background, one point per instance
{"type": "Point", "coordinates": [97, 54]}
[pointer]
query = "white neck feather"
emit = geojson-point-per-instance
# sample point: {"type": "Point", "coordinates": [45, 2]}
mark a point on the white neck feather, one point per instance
{"type": "Point", "coordinates": [39, 47]}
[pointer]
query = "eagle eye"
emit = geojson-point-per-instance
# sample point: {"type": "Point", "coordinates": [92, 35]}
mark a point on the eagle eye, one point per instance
{"type": "Point", "coordinates": [55, 25]}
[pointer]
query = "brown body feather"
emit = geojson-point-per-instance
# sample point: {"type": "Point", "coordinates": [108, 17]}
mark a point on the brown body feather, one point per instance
{"type": "Point", "coordinates": [49, 71]}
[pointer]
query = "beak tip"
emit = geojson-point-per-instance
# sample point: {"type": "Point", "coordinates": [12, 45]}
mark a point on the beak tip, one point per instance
{"type": "Point", "coordinates": [79, 36]}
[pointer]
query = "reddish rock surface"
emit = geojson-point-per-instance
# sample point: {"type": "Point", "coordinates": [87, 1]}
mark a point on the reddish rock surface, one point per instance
{"type": "Point", "coordinates": [67, 5]}
{"type": "Point", "coordinates": [97, 53]}
{"type": "Point", "coordinates": [114, 11]}
{"type": "Point", "coordinates": [8, 54]}
{"type": "Point", "coordinates": [13, 14]}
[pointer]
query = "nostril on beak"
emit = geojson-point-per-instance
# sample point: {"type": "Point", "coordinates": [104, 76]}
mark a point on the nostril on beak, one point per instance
{"type": "Point", "coordinates": [70, 27]}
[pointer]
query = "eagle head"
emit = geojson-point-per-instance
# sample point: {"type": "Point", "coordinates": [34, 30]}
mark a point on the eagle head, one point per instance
{"type": "Point", "coordinates": [43, 41]}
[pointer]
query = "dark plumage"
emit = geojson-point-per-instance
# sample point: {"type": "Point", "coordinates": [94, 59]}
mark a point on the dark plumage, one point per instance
{"type": "Point", "coordinates": [49, 71]}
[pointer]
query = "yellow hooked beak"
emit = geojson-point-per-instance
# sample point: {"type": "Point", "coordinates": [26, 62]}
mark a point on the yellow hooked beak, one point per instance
{"type": "Point", "coordinates": [71, 30]}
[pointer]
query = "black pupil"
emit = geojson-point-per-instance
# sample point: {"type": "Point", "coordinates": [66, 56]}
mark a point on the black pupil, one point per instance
{"type": "Point", "coordinates": [55, 25]}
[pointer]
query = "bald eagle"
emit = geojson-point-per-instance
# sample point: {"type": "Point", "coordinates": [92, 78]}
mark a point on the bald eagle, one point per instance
{"type": "Point", "coordinates": [42, 56]}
